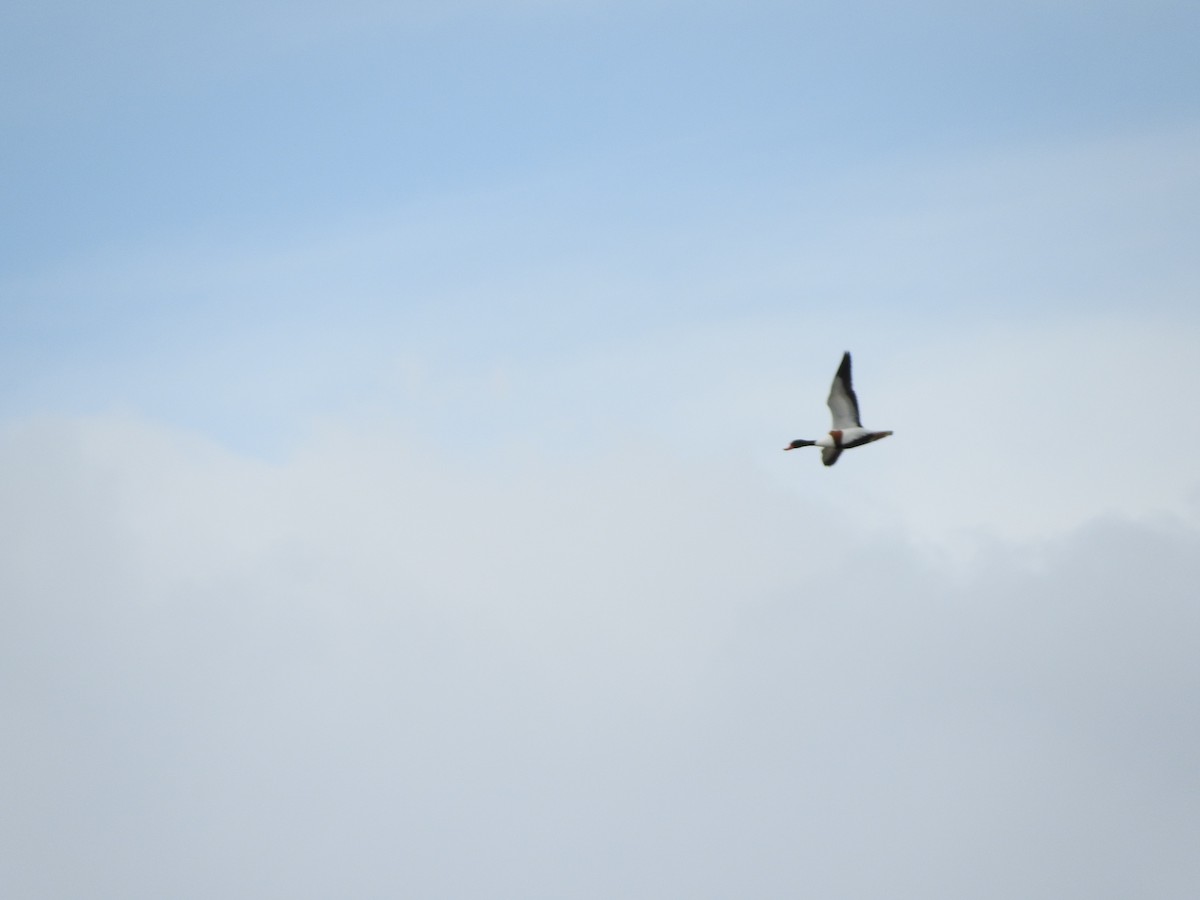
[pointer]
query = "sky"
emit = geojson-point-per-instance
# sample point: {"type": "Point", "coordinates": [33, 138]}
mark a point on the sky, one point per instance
{"type": "Point", "coordinates": [391, 405]}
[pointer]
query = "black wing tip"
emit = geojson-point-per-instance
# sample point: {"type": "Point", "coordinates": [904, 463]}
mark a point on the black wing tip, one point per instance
{"type": "Point", "coordinates": [843, 373]}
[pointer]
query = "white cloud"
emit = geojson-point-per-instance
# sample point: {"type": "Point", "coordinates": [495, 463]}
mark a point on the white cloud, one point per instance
{"type": "Point", "coordinates": [380, 670]}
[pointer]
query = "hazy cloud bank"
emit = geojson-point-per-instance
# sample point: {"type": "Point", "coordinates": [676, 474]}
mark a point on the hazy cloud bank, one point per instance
{"type": "Point", "coordinates": [371, 671]}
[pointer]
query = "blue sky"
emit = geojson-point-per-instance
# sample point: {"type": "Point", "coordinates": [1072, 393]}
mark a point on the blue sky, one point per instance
{"type": "Point", "coordinates": [217, 219]}
{"type": "Point", "coordinates": [391, 403]}
{"type": "Point", "coordinates": [174, 124]}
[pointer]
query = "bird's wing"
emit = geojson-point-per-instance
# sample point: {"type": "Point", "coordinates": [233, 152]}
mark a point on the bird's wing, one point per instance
{"type": "Point", "coordinates": [829, 455]}
{"type": "Point", "coordinates": [842, 402]}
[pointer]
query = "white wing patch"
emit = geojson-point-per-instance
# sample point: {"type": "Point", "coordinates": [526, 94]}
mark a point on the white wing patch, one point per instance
{"type": "Point", "coordinates": [842, 402]}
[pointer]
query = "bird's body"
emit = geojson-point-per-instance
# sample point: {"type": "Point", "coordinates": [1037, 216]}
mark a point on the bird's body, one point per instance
{"type": "Point", "coordinates": [847, 431]}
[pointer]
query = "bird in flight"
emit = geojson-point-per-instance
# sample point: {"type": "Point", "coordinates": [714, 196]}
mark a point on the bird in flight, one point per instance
{"type": "Point", "coordinates": [847, 428]}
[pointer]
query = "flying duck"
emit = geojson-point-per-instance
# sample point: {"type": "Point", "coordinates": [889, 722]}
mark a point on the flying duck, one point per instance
{"type": "Point", "coordinates": [847, 429]}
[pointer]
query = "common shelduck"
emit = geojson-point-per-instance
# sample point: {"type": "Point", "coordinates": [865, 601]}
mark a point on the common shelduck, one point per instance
{"type": "Point", "coordinates": [847, 430]}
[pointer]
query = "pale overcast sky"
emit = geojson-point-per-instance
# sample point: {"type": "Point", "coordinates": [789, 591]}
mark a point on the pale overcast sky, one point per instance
{"type": "Point", "coordinates": [391, 406]}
